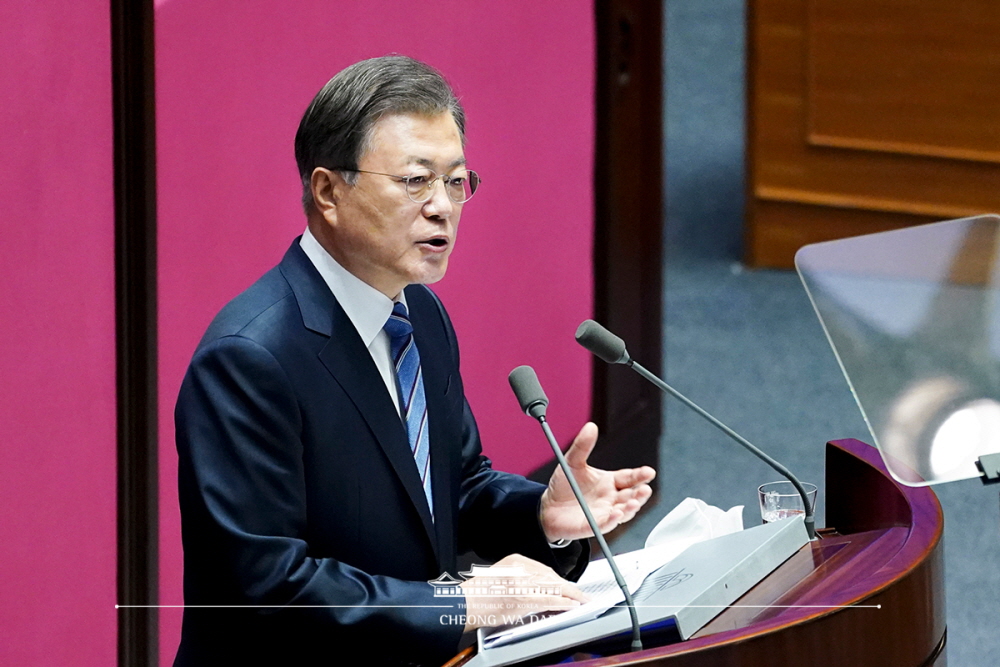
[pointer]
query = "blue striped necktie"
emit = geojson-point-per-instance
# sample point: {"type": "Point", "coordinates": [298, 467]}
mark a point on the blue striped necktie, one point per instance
{"type": "Point", "coordinates": [411, 391]}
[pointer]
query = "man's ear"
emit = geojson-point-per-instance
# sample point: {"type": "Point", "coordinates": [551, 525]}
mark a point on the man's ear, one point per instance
{"type": "Point", "coordinates": [326, 188]}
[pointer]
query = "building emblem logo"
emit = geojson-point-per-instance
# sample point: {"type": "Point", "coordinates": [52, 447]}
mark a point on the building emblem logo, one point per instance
{"type": "Point", "coordinates": [494, 581]}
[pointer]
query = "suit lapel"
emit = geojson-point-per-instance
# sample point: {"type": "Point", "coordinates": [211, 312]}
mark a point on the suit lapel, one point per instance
{"type": "Point", "coordinates": [348, 360]}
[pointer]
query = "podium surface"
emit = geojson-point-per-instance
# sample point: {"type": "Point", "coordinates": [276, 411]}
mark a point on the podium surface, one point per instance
{"type": "Point", "coordinates": [868, 593]}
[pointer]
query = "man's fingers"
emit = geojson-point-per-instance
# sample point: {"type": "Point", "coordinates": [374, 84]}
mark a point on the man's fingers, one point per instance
{"type": "Point", "coordinates": [494, 608]}
{"type": "Point", "coordinates": [629, 510]}
{"type": "Point", "coordinates": [628, 477]}
{"type": "Point", "coordinates": [627, 505]}
{"type": "Point", "coordinates": [529, 565]}
{"type": "Point", "coordinates": [630, 501]}
{"type": "Point", "coordinates": [570, 591]}
{"type": "Point", "coordinates": [542, 571]}
{"type": "Point", "coordinates": [553, 603]}
{"type": "Point", "coordinates": [583, 445]}
{"type": "Point", "coordinates": [631, 505]}
{"type": "Point", "coordinates": [611, 520]}
{"type": "Point", "coordinates": [521, 606]}
{"type": "Point", "coordinates": [641, 493]}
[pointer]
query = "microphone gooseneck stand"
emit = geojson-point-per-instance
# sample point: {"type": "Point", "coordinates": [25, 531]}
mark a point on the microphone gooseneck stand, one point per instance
{"type": "Point", "coordinates": [533, 401]}
{"type": "Point", "coordinates": [611, 348]}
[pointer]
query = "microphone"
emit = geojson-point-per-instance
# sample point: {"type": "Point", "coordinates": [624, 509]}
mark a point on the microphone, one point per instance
{"type": "Point", "coordinates": [528, 391]}
{"type": "Point", "coordinates": [610, 348]}
{"type": "Point", "coordinates": [533, 402]}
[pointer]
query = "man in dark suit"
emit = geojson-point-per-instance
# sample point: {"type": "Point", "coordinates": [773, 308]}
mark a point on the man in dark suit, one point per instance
{"type": "Point", "coordinates": [329, 465]}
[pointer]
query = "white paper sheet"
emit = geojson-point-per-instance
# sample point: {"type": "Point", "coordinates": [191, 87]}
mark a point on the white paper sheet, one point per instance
{"type": "Point", "coordinates": [690, 522]}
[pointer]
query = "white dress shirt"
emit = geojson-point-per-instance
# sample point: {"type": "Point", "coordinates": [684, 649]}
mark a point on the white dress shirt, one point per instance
{"type": "Point", "coordinates": [366, 307]}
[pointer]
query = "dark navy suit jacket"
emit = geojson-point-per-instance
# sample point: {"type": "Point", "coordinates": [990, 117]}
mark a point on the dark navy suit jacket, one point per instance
{"type": "Point", "coordinates": [297, 486]}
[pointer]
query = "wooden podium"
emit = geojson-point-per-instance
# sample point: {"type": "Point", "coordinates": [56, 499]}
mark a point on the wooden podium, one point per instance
{"type": "Point", "coordinates": [869, 593]}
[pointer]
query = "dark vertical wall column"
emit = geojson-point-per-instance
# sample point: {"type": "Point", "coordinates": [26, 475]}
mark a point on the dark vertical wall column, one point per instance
{"type": "Point", "coordinates": [135, 305]}
{"type": "Point", "coordinates": [628, 228]}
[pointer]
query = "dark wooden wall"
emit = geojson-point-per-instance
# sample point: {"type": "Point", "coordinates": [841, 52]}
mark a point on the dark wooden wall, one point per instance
{"type": "Point", "coordinates": [135, 325]}
{"type": "Point", "coordinates": [868, 115]}
{"type": "Point", "coordinates": [628, 235]}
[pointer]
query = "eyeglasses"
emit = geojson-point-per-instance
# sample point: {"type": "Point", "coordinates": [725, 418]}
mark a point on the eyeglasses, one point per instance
{"type": "Point", "coordinates": [419, 187]}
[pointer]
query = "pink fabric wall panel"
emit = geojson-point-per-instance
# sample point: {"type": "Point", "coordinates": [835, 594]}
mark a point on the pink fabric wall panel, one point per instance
{"type": "Point", "coordinates": [232, 82]}
{"type": "Point", "coordinates": [57, 361]}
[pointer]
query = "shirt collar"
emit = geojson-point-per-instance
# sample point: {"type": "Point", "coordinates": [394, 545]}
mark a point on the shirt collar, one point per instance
{"type": "Point", "coordinates": [366, 307]}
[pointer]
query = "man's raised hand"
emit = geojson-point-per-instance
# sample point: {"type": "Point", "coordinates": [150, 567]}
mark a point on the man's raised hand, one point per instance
{"type": "Point", "coordinates": [614, 497]}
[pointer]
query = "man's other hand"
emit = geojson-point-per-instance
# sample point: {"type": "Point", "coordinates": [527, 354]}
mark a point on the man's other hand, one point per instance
{"type": "Point", "coordinates": [613, 497]}
{"type": "Point", "coordinates": [507, 602]}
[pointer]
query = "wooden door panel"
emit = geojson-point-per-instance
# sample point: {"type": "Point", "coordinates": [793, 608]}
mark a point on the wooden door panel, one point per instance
{"type": "Point", "coordinates": [913, 82]}
{"type": "Point", "coordinates": [868, 115]}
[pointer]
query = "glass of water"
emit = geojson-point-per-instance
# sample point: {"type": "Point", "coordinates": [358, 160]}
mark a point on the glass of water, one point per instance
{"type": "Point", "coordinates": [780, 500]}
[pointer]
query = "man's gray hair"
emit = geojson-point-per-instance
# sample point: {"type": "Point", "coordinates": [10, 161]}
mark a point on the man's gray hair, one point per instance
{"type": "Point", "coordinates": [336, 129]}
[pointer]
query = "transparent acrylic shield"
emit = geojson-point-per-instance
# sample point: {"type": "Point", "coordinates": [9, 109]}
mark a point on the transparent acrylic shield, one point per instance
{"type": "Point", "coordinates": [913, 316]}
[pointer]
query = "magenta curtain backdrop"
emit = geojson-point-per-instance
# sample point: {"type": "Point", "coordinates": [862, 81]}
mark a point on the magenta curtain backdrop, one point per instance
{"type": "Point", "coordinates": [233, 79]}
{"type": "Point", "coordinates": [57, 360]}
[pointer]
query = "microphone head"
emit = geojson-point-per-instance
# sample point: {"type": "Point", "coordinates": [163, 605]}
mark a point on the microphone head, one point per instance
{"type": "Point", "coordinates": [528, 391]}
{"type": "Point", "coordinates": [602, 342]}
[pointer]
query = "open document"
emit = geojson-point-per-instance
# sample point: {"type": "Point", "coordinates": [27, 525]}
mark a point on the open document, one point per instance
{"type": "Point", "coordinates": [692, 521]}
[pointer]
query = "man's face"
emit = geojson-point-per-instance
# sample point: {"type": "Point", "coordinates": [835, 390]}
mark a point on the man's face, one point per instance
{"type": "Point", "coordinates": [376, 232]}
